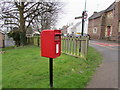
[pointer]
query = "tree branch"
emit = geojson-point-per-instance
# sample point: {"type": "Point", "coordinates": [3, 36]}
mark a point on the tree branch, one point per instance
{"type": "Point", "coordinates": [11, 17]}
{"type": "Point", "coordinates": [33, 11]}
{"type": "Point", "coordinates": [30, 7]}
{"type": "Point", "coordinates": [26, 4]}
{"type": "Point", "coordinates": [12, 24]}
{"type": "Point", "coordinates": [31, 21]}
{"type": "Point", "coordinates": [8, 11]}
{"type": "Point", "coordinates": [18, 6]}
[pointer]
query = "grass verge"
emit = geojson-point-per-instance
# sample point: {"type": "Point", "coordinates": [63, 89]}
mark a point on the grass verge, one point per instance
{"type": "Point", "coordinates": [24, 68]}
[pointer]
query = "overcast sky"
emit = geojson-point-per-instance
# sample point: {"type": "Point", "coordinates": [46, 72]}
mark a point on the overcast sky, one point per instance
{"type": "Point", "coordinates": [74, 8]}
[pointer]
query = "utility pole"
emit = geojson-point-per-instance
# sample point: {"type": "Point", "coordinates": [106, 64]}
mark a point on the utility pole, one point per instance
{"type": "Point", "coordinates": [83, 23]}
{"type": "Point", "coordinates": [83, 17]}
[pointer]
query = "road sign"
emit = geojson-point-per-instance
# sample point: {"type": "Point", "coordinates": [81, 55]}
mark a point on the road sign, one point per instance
{"type": "Point", "coordinates": [80, 17]}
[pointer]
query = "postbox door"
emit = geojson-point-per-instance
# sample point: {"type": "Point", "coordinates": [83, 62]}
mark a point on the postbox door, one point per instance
{"type": "Point", "coordinates": [57, 44]}
{"type": "Point", "coordinates": [57, 48]}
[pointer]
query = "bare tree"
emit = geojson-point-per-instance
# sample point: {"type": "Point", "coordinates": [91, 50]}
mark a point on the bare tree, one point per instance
{"type": "Point", "coordinates": [48, 19]}
{"type": "Point", "coordinates": [24, 14]}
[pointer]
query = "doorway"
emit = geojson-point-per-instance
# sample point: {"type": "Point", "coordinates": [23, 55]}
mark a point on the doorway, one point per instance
{"type": "Point", "coordinates": [108, 31]}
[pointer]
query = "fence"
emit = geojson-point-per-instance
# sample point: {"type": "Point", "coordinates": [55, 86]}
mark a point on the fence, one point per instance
{"type": "Point", "coordinates": [75, 46]}
{"type": "Point", "coordinates": [70, 45]}
{"type": "Point", "coordinates": [34, 40]}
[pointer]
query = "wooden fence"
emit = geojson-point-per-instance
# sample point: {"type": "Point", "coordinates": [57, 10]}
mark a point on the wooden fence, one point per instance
{"type": "Point", "coordinates": [70, 45]}
{"type": "Point", "coordinates": [34, 40]}
{"type": "Point", "coordinates": [75, 46]}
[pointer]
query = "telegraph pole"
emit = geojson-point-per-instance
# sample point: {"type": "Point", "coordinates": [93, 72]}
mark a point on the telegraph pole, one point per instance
{"type": "Point", "coordinates": [83, 23]}
{"type": "Point", "coordinates": [83, 17]}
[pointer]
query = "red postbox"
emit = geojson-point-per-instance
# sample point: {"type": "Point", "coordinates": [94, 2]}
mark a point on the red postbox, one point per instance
{"type": "Point", "coordinates": [51, 43]}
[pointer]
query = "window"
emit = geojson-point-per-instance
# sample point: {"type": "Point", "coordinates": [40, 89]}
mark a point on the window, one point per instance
{"type": "Point", "coordinates": [110, 14]}
{"type": "Point", "coordinates": [119, 27]}
{"type": "Point", "coordinates": [94, 30]}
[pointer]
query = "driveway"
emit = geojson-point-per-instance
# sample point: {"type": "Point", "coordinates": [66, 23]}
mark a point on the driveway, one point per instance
{"type": "Point", "coordinates": [9, 42]}
{"type": "Point", "coordinates": [106, 75]}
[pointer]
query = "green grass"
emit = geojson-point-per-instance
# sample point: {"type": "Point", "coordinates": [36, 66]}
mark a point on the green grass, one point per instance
{"type": "Point", "coordinates": [24, 68]}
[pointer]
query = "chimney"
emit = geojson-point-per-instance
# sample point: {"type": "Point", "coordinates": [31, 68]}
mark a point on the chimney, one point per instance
{"type": "Point", "coordinates": [94, 12]}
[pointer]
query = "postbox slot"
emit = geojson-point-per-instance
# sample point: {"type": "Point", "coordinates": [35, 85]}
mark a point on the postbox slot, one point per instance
{"type": "Point", "coordinates": [57, 38]}
{"type": "Point", "coordinates": [57, 34]}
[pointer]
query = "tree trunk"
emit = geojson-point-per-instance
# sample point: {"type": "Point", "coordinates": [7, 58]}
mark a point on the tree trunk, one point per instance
{"type": "Point", "coordinates": [22, 26]}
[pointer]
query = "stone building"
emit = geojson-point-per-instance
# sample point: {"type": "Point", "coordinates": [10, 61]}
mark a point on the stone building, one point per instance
{"type": "Point", "coordinates": [106, 24]}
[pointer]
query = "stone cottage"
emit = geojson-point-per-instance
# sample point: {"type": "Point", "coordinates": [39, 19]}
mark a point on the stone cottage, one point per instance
{"type": "Point", "coordinates": [106, 24]}
{"type": "Point", "coordinates": [2, 38]}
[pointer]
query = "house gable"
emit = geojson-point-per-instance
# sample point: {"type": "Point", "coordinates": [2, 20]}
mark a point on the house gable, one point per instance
{"type": "Point", "coordinates": [108, 18]}
{"type": "Point", "coordinates": [111, 7]}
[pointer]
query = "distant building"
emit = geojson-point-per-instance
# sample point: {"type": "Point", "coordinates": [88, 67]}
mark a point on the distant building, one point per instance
{"type": "Point", "coordinates": [30, 32]}
{"type": "Point", "coordinates": [2, 38]}
{"type": "Point", "coordinates": [64, 29]}
{"type": "Point", "coordinates": [77, 28]}
{"type": "Point", "coordinates": [106, 24]}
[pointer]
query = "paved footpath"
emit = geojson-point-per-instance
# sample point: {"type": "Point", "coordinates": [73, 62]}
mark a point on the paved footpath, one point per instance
{"type": "Point", "coordinates": [106, 75]}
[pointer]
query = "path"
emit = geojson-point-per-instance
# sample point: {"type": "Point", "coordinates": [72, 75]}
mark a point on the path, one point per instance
{"type": "Point", "coordinates": [106, 75]}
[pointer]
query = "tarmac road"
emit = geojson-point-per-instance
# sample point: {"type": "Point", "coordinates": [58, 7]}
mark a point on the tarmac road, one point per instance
{"type": "Point", "coordinates": [106, 75]}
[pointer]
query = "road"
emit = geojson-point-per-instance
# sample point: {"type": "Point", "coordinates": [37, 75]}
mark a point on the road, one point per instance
{"type": "Point", "coordinates": [106, 75]}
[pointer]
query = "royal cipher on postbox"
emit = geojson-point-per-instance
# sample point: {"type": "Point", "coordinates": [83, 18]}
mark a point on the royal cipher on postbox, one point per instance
{"type": "Point", "coordinates": [51, 43]}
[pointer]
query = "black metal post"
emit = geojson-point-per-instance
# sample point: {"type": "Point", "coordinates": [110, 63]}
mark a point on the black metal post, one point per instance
{"type": "Point", "coordinates": [51, 72]}
{"type": "Point", "coordinates": [83, 23]}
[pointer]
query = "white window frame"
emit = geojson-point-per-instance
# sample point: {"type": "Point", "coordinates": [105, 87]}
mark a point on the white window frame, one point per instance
{"type": "Point", "coordinates": [95, 30]}
{"type": "Point", "coordinates": [119, 27]}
